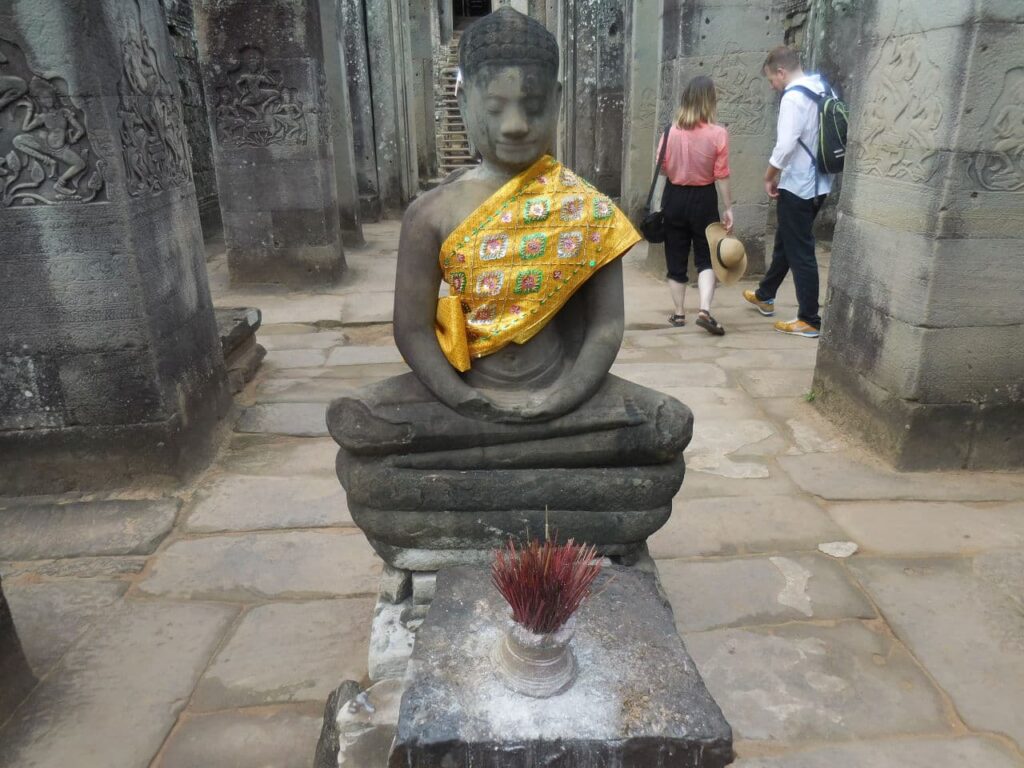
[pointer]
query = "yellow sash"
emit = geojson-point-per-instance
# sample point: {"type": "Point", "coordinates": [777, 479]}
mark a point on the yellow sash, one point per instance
{"type": "Point", "coordinates": [515, 261]}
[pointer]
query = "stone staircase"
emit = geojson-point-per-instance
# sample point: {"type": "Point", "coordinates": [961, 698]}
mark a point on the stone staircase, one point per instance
{"type": "Point", "coordinates": [453, 150]}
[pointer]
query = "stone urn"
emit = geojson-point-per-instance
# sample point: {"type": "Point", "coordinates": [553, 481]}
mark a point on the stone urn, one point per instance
{"type": "Point", "coordinates": [536, 665]}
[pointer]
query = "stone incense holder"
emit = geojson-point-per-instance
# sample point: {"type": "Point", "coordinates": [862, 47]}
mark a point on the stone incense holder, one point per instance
{"type": "Point", "coordinates": [537, 665]}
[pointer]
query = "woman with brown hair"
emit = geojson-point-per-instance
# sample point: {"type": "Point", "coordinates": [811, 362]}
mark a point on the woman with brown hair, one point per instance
{"type": "Point", "coordinates": [696, 160]}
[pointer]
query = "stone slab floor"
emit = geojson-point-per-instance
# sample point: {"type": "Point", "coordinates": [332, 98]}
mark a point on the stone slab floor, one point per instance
{"type": "Point", "coordinates": [204, 626]}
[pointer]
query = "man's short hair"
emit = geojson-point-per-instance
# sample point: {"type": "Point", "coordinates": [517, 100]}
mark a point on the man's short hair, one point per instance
{"type": "Point", "coordinates": [782, 57]}
{"type": "Point", "coordinates": [507, 37]}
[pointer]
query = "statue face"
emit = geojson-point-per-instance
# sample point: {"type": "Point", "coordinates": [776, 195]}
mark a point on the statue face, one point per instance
{"type": "Point", "coordinates": [511, 113]}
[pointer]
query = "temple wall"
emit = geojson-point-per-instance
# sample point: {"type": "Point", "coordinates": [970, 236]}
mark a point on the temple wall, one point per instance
{"type": "Point", "coordinates": [920, 351]}
{"type": "Point", "coordinates": [110, 363]}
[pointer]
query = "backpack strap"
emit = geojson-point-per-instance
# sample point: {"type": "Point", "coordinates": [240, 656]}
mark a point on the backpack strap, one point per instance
{"type": "Point", "coordinates": [657, 168]}
{"type": "Point", "coordinates": [818, 97]}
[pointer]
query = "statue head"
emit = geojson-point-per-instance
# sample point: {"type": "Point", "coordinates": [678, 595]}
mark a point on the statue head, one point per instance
{"type": "Point", "coordinates": [511, 92]}
{"type": "Point", "coordinates": [252, 59]}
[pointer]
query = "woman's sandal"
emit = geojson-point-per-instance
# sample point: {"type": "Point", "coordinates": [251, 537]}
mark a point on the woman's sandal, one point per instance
{"type": "Point", "coordinates": [677, 320]}
{"type": "Point", "coordinates": [709, 324]}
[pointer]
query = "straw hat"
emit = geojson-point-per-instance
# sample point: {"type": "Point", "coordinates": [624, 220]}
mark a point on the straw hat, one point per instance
{"type": "Point", "coordinates": [728, 256]}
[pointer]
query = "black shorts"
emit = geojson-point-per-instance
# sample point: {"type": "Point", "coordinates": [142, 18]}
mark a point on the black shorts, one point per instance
{"type": "Point", "coordinates": [688, 212]}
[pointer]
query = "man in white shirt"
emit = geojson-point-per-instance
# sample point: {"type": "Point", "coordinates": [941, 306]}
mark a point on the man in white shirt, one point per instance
{"type": "Point", "coordinates": [793, 180]}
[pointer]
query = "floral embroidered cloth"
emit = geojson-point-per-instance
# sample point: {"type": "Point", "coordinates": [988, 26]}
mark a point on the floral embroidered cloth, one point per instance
{"type": "Point", "coordinates": [515, 261]}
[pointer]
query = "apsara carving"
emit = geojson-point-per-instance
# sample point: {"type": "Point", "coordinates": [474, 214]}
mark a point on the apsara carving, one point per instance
{"type": "Point", "coordinates": [45, 156]}
{"type": "Point", "coordinates": [999, 166]}
{"type": "Point", "coordinates": [255, 109]}
{"type": "Point", "coordinates": [900, 121]}
{"type": "Point", "coordinates": [156, 153]}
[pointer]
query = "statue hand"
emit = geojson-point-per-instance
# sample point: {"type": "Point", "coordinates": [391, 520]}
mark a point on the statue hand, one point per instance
{"type": "Point", "coordinates": [476, 406]}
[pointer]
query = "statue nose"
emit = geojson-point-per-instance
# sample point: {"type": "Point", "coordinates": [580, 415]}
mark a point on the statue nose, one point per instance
{"type": "Point", "coordinates": [514, 125]}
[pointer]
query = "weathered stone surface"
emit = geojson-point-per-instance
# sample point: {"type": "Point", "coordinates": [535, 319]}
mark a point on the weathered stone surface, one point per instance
{"type": "Point", "coordinates": [288, 652]}
{"type": "Point", "coordinates": [299, 419]}
{"type": "Point", "coordinates": [75, 567]}
{"type": "Point", "coordinates": [310, 340]}
{"type": "Point", "coordinates": [391, 641]}
{"type": "Point", "coordinates": [295, 358]}
{"type": "Point", "coordinates": [924, 753]}
{"type": "Point", "coordinates": [265, 454]}
{"type": "Point", "coordinates": [967, 631]}
{"type": "Point", "coordinates": [664, 376]}
{"type": "Point", "coordinates": [266, 89]}
{"type": "Point", "coordinates": [51, 616]}
{"type": "Point", "coordinates": [799, 682]}
{"type": "Point", "coordinates": [715, 441]}
{"type": "Point", "coordinates": [363, 355]}
{"type": "Point", "coordinates": [327, 745]}
{"type": "Point", "coordinates": [931, 528]}
{"type": "Point", "coordinates": [299, 564]}
{"type": "Point", "coordinates": [846, 476]}
{"type": "Point", "coordinates": [110, 366]}
{"type": "Point", "coordinates": [16, 679]}
{"type": "Point", "coordinates": [731, 526]}
{"type": "Point", "coordinates": [116, 695]}
{"type": "Point", "coordinates": [763, 590]}
{"type": "Point", "coordinates": [37, 531]}
{"type": "Point", "coordinates": [244, 503]}
{"type": "Point", "coordinates": [700, 484]}
{"type": "Point", "coordinates": [282, 738]}
{"type": "Point", "coordinates": [235, 326]}
{"type": "Point", "coordinates": [455, 710]}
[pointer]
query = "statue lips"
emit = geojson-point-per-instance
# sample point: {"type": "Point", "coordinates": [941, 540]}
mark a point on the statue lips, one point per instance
{"type": "Point", "coordinates": [518, 151]}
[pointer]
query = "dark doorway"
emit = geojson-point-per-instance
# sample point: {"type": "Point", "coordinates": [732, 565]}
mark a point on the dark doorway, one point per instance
{"type": "Point", "coordinates": [464, 11]}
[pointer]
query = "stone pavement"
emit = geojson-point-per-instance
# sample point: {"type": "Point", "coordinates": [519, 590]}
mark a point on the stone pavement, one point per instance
{"type": "Point", "coordinates": [205, 625]}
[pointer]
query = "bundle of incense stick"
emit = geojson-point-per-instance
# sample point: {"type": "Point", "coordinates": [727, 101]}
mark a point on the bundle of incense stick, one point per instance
{"type": "Point", "coordinates": [544, 583]}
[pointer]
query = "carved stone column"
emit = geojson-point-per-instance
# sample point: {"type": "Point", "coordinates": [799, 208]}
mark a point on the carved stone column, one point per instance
{"type": "Point", "coordinates": [352, 35]}
{"type": "Point", "coordinates": [924, 324]}
{"type": "Point", "coordinates": [425, 40]}
{"type": "Point", "coordinates": [639, 133]}
{"type": "Point", "coordinates": [388, 48]}
{"type": "Point", "coordinates": [341, 123]}
{"type": "Point", "coordinates": [266, 89]}
{"type": "Point", "coordinates": [110, 364]}
{"type": "Point", "coordinates": [729, 44]}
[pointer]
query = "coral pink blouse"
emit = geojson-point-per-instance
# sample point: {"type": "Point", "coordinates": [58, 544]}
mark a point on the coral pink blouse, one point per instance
{"type": "Point", "coordinates": [696, 157]}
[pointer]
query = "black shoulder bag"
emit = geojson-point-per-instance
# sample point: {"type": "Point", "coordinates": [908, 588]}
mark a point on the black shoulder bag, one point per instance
{"type": "Point", "coordinates": [652, 226]}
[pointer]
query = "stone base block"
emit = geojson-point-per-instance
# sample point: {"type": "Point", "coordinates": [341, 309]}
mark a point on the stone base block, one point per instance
{"type": "Point", "coordinates": [301, 266]}
{"type": "Point", "coordinates": [391, 639]}
{"type": "Point", "coordinates": [638, 699]}
{"type": "Point", "coordinates": [95, 457]}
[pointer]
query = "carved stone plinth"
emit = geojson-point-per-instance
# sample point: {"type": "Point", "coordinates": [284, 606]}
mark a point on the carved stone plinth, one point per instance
{"type": "Point", "coordinates": [266, 90]}
{"type": "Point", "coordinates": [920, 346]}
{"type": "Point", "coordinates": [110, 365]}
{"type": "Point", "coordinates": [637, 700]}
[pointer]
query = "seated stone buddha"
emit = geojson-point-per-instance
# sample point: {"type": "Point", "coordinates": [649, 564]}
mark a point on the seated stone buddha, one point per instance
{"type": "Point", "coordinates": [509, 418]}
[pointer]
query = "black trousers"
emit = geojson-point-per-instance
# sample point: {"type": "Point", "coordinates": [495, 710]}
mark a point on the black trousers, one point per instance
{"type": "Point", "coordinates": [794, 250]}
{"type": "Point", "coordinates": [688, 211]}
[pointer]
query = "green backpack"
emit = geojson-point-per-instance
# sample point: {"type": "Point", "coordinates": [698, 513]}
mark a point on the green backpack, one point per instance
{"type": "Point", "coordinates": [833, 118]}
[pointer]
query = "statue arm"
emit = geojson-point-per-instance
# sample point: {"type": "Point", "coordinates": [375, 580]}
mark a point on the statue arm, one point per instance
{"type": "Point", "coordinates": [605, 323]}
{"type": "Point", "coordinates": [416, 288]}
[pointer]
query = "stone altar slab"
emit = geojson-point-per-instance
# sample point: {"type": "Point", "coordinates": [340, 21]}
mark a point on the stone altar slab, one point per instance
{"type": "Point", "coordinates": [638, 699]}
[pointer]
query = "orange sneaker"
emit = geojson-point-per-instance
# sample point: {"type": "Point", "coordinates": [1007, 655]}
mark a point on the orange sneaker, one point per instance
{"type": "Point", "coordinates": [766, 308]}
{"type": "Point", "coordinates": [797, 328]}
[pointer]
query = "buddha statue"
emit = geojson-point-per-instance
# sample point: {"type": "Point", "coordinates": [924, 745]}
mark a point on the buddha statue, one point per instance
{"type": "Point", "coordinates": [509, 419]}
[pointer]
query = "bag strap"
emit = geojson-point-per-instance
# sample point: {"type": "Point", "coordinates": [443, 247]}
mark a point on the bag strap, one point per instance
{"type": "Point", "coordinates": [818, 97]}
{"type": "Point", "coordinates": [657, 168]}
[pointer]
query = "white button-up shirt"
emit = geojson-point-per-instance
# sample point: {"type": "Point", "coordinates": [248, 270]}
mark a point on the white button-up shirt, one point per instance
{"type": "Point", "coordinates": [798, 119]}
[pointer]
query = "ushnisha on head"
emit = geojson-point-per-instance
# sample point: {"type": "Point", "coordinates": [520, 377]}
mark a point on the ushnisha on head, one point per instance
{"type": "Point", "coordinates": [511, 96]}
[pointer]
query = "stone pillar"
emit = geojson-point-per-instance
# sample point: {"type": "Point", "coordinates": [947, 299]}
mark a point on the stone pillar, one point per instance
{"type": "Point", "coordinates": [341, 123]}
{"type": "Point", "coordinates": [197, 125]}
{"type": "Point", "coordinates": [263, 72]}
{"type": "Point", "coordinates": [426, 40]}
{"type": "Point", "coordinates": [446, 20]}
{"type": "Point", "coordinates": [593, 43]}
{"type": "Point", "coordinates": [729, 43]}
{"type": "Point", "coordinates": [923, 330]}
{"type": "Point", "coordinates": [110, 365]}
{"type": "Point", "coordinates": [16, 679]}
{"type": "Point", "coordinates": [352, 36]}
{"type": "Point", "coordinates": [640, 132]}
{"type": "Point", "coordinates": [388, 48]}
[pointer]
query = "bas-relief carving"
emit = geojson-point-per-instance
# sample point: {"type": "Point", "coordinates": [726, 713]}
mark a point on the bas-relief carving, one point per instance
{"type": "Point", "coordinates": [899, 122]}
{"type": "Point", "coordinates": [156, 153]}
{"type": "Point", "coordinates": [742, 93]}
{"type": "Point", "coordinates": [255, 109]}
{"type": "Point", "coordinates": [45, 156]}
{"type": "Point", "coordinates": [999, 166]}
